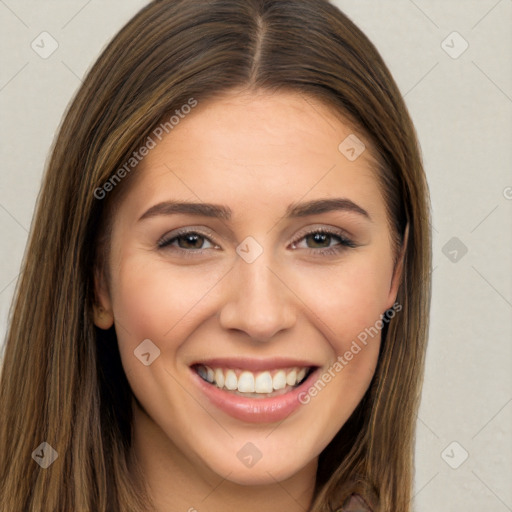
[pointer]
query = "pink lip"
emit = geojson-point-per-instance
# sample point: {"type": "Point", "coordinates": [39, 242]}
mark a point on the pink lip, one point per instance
{"type": "Point", "coordinates": [255, 365]}
{"type": "Point", "coordinates": [254, 410]}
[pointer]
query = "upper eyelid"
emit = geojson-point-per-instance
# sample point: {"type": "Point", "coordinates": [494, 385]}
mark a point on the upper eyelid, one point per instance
{"type": "Point", "coordinates": [172, 235]}
{"type": "Point", "coordinates": [327, 229]}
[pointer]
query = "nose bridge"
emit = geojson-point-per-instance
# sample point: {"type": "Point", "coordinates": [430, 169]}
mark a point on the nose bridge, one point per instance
{"type": "Point", "coordinates": [259, 302]}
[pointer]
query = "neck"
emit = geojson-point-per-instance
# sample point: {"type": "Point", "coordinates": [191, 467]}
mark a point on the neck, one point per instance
{"type": "Point", "coordinates": [178, 484]}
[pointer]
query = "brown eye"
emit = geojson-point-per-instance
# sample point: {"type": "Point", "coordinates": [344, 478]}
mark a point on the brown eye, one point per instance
{"type": "Point", "coordinates": [319, 238]}
{"type": "Point", "coordinates": [186, 241]}
{"type": "Point", "coordinates": [320, 241]}
{"type": "Point", "coordinates": [190, 241]}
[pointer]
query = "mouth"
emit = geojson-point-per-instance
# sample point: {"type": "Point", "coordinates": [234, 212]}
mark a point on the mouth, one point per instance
{"type": "Point", "coordinates": [254, 391]}
{"type": "Point", "coordinates": [250, 384]}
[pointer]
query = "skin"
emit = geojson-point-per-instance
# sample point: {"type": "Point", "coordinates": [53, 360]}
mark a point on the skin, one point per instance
{"type": "Point", "coordinates": [255, 153]}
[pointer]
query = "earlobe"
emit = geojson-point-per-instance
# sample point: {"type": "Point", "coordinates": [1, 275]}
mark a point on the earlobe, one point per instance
{"type": "Point", "coordinates": [103, 315]}
{"type": "Point", "coordinates": [104, 319]}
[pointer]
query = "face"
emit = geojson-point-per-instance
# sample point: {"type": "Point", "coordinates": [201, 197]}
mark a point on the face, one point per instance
{"type": "Point", "coordinates": [236, 320]}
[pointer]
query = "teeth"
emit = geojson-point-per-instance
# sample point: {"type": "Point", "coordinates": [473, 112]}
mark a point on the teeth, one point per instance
{"type": "Point", "coordinates": [231, 382]}
{"type": "Point", "coordinates": [202, 372]}
{"type": "Point", "coordinates": [219, 378]}
{"type": "Point", "coordinates": [248, 382]}
{"type": "Point", "coordinates": [263, 383]}
{"type": "Point", "coordinates": [279, 380]}
{"type": "Point", "coordinates": [291, 378]}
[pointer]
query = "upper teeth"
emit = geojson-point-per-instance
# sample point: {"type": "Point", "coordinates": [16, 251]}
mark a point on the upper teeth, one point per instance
{"type": "Point", "coordinates": [249, 382]}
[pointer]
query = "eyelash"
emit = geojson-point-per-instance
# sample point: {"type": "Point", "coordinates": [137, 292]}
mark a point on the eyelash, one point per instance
{"type": "Point", "coordinates": [343, 244]}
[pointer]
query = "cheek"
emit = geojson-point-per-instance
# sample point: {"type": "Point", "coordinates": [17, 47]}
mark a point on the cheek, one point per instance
{"type": "Point", "coordinates": [347, 303]}
{"type": "Point", "coordinates": [156, 300]}
{"type": "Point", "coordinates": [348, 299]}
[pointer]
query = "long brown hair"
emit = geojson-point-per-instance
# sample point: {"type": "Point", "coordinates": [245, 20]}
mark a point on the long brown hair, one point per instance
{"type": "Point", "coordinates": [62, 381]}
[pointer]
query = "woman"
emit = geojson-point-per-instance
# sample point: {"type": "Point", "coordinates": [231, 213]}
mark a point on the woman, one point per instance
{"type": "Point", "coordinates": [179, 341]}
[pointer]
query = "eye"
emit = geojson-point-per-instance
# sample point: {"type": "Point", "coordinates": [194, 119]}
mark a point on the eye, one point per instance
{"type": "Point", "coordinates": [192, 243]}
{"type": "Point", "coordinates": [322, 240]}
{"type": "Point", "coordinates": [187, 241]}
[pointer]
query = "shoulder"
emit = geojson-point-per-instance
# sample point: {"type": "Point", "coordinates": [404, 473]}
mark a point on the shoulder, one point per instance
{"type": "Point", "coordinates": [355, 503]}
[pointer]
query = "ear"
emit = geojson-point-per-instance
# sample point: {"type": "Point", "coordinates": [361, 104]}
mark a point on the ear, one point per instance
{"type": "Point", "coordinates": [103, 314]}
{"type": "Point", "coordinates": [398, 270]}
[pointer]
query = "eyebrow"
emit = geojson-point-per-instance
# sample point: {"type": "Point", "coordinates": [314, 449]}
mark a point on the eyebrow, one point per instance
{"type": "Point", "coordinates": [293, 210]}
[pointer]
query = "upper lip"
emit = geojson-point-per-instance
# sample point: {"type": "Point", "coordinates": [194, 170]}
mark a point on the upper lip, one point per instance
{"type": "Point", "coordinates": [254, 364]}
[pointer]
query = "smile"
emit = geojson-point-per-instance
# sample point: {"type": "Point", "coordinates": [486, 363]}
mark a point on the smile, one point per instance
{"type": "Point", "coordinates": [254, 384]}
{"type": "Point", "coordinates": [253, 391]}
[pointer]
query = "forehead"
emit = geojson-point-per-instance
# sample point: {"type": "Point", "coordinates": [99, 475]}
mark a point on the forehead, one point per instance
{"type": "Point", "coordinates": [263, 150]}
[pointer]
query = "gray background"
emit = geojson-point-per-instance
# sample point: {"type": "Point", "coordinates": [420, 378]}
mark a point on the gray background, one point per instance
{"type": "Point", "coordinates": [462, 109]}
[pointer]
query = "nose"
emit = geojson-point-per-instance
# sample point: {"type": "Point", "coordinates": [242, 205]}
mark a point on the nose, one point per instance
{"type": "Point", "coordinates": [260, 301]}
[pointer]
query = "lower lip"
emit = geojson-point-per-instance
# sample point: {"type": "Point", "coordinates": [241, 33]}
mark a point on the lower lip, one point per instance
{"type": "Point", "coordinates": [255, 410]}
